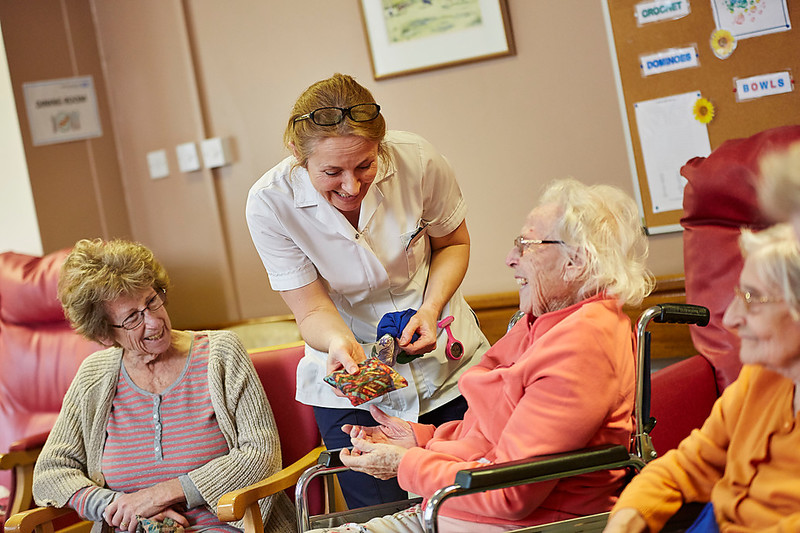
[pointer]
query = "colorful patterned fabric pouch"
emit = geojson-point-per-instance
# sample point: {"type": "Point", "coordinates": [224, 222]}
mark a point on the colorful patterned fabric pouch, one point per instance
{"type": "Point", "coordinates": [373, 379]}
{"type": "Point", "coordinates": [147, 525]}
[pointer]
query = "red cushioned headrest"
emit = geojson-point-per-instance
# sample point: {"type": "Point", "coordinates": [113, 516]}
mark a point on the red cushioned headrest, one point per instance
{"type": "Point", "coordinates": [719, 198]}
{"type": "Point", "coordinates": [28, 288]}
{"type": "Point", "coordinates": [721, 187]}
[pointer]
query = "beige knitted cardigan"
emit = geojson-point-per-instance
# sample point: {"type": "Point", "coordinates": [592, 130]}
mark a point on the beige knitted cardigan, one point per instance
{"type": "Point", "coordinates": [71, 458]}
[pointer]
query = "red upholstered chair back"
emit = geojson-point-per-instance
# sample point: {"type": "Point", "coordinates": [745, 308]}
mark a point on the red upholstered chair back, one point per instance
{"type": "Point", "coordinates": [720, 198]}
{"type": "Point", "coordinates": [682, 395]}
{"type": "Point", "coordinates": [297, 427]}
{"type": "Point", "coordinates": [39, 351]}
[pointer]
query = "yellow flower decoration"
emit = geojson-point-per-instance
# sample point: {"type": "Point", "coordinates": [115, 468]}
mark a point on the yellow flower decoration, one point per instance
{"type": "Point", "coordinates": [703, 111]}
{"type": "Point", "coordinates": [723, 43]}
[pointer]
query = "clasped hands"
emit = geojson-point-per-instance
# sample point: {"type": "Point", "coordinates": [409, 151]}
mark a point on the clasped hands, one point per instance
{"type": "Point", "coordinates": [377, 451]}
{"type": "Point", "coordinates": [123, 511]}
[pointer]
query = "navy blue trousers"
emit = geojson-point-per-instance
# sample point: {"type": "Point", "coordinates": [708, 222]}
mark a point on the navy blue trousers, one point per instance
{"type": "Point", "coordinates": [361, 490]}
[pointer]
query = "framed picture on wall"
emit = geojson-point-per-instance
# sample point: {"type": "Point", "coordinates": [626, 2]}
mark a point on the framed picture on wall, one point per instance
{"type": "Point", "coordinates": [407, 36]}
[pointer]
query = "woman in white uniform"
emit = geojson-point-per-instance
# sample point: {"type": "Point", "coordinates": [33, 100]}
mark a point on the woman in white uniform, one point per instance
{"type": "Point", "coordinates": [359, 223]}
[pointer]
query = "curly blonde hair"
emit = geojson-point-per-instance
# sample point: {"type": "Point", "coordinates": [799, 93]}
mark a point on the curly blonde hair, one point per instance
{"type": "Point", "coordinates": [96, 272]}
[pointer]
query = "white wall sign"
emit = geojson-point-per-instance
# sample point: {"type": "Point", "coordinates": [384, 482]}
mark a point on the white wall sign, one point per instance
{"type": "Point", "coordinates": [669, 60]}
{"type": "Point", "coordinates": [661, 10]}
{"type": "Point", "coordinates": [62, 110]}
{"type": "Point", "coordinates": [764, 85]}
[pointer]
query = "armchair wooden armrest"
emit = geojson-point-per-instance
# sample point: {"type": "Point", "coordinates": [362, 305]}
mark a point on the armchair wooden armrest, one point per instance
{"type": "Point", "coordinates": [243, 503]}
{"type": "Point", "coordinates": [21, 459]}
{"type": "Point", "coordinates": [41, 520]}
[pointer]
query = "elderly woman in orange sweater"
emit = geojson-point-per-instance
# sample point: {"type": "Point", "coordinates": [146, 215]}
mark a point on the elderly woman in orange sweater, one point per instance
{"type": "Point", "coordinates": [561, 379]}
{"type": "Point", "coordinates": [744, 460]}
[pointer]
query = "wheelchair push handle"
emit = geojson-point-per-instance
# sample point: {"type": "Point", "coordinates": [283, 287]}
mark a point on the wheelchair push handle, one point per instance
{"type": "Point", "coordinates": [672, 313]}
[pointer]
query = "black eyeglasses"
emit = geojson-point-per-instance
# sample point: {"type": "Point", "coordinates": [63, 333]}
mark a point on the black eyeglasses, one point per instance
{"type": "Point", "coordinates": [521, 244]}
{"type": "Point", "coordinates": [135, 319]}
{"type": "Point", "coordinates": [330, 116]}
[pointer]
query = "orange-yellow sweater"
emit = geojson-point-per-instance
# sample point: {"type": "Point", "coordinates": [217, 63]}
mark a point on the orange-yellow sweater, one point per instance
{"type": "Point", "coordinates": [745, 459]}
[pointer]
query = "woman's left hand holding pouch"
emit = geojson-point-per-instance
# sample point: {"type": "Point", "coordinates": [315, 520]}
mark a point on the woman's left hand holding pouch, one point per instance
{"type": "Point", "coordinates": [149, 502]}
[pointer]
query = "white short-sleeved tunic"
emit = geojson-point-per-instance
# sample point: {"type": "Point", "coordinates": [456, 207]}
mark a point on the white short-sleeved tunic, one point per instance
{"type": "Point", "coordinates": [379, 268]}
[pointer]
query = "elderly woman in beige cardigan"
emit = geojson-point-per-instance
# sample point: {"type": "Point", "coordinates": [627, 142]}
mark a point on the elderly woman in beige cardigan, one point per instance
{"type": "Point", "coordinates": [162, 422]}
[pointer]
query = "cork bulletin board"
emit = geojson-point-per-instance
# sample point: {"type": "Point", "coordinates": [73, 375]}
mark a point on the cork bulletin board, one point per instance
{"type": "Point", "coordinates": [713, 78]}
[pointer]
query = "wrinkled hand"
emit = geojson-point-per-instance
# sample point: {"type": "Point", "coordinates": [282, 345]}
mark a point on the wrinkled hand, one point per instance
{"type": "Point", "coordinates": [626, 520]}
{"type": "Point", "coordinates": [424, 324]}
{"type": "Point", "coordinates": [344, 353]}
{"type": "Point", "coordinates": [392, 430]}
{"type": "Point", "coordinates": [122, 512]}
{"type": "Point", "coordinates": [376, 459]}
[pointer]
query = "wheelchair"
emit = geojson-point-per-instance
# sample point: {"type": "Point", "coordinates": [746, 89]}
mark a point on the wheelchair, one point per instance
{"type": "Point", "coordinates": [535, 469]}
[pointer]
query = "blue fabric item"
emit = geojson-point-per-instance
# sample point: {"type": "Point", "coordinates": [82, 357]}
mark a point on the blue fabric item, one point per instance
{"type": "Point", "coordinates": [394, 323]}
{"type": "Point", "coordinates": [706, 522]}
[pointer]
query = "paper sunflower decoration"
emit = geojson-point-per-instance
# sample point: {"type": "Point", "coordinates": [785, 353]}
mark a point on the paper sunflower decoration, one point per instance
{"type": "Point", "coordinates": [723, 43]}
{"type": "Point", "coordinates": [703, 111]}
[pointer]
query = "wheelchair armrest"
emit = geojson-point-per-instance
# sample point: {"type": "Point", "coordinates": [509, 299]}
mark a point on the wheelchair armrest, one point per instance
{"type": "Point", "coordinates": [530, 470]}
{"type": "Point", "coordinates": [544, 467]}
{"type": "Point", "coordinates": [233, 505]}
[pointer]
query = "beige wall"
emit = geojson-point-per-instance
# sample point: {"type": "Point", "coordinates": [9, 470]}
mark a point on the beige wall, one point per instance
{"type": "Point", "coordinates": [76, 186]}
{"type": "Point", "coordinates": [182, 71]}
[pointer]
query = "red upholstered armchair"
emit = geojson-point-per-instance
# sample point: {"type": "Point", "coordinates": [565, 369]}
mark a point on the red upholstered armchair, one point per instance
{"type": "Point", "coordinates": [719, 199]}
{"type": "Point", "coordinates": [39, 356]}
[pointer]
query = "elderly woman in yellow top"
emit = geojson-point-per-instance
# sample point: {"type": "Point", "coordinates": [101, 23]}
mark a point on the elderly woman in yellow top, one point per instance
{"type": "Point", "coordinates": [744, 460]}
{"type": "Point", "coordinates": [162, 422]}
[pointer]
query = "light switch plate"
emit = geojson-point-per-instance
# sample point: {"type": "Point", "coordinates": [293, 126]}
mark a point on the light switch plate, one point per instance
{"type": "Point", "coordinates": [157, 163]}
{"type": "Point", "coordinates": [216, 152]}
{"type": "Point", "coordinates": [188, 159]}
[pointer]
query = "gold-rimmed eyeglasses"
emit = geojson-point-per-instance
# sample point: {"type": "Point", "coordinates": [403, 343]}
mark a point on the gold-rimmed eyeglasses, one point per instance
{"type": "Point", "coordinates": [135, 319]}
{"type": "Point", "coordinates": [522, 243]}
{"type": "Point", "coordinates": [748, 298]}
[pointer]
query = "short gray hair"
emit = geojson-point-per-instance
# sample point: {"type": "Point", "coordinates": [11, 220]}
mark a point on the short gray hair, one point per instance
{"type": "Point", "coordinates": [779, 188]}
{"type": "Point", "coordinates": [775, 253]}
{"type": "Point", "coordinates": [603, 222]}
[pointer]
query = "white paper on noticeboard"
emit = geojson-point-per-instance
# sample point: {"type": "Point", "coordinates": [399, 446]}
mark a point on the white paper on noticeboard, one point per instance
{"type": "Point", "coordinates": [669, 136]}
{"type": "Point", "coordinates": [751, 19]}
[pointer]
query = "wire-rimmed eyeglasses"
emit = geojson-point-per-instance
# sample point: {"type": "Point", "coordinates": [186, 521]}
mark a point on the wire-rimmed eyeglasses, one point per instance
{"type": "Point", "coordinates": [330, 116]}
{"type": "Point", "coordinates": [135, 319]}
{"type": "Point", "coordinates": [749, 298]}
{"type": "Point", "coordinates": [521, 243]}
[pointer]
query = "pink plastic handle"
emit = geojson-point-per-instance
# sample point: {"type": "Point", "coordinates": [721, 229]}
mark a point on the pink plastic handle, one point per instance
{"type": "Point", "coordinates": [454, 348]}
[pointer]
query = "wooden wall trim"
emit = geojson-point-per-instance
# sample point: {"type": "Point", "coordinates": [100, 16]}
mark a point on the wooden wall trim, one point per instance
{"type": "Point", "coordinates": [668, 341]}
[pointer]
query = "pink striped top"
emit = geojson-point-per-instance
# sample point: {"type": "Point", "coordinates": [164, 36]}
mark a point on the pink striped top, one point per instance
{"type": "Point", "coordinates": [157, 437]}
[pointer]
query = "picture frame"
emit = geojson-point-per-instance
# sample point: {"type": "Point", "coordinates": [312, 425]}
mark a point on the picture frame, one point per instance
{"type": "Point", "coordinates": [410, 36]}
